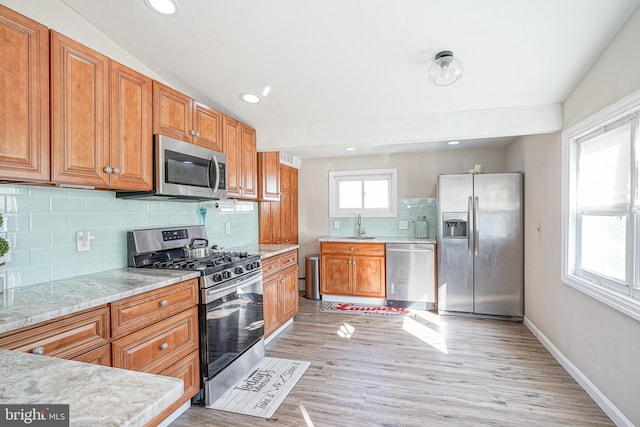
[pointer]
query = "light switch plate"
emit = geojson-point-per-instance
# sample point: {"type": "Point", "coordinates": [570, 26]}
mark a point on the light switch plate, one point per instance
{"type": "Point", "coordinates": [227, 228]}
{"type": "Point", "coordinates": [403, 225]}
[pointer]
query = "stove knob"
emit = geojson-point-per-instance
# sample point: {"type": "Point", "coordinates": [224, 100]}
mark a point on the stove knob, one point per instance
{"type": "Point", "coordinates": [226, 275]}
{"type": "Point", "coordinates": [256, 264]}
{"type": "Point", "coordinates": [250, 266]}
{"type": "Point", "coordinates": [238, 270]}
{"type": "Point", "coordinates": [217, 278]}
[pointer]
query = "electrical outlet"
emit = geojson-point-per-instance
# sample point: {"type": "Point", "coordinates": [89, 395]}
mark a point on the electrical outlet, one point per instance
{"type": "Point", "coordinates": [83, 241]}
{"type": "Point", "coordinates": [403, 225]}
{"type": "Point", "coordinates": [227, 228]}
{"type": "Point", "coordinates": [336, 225]}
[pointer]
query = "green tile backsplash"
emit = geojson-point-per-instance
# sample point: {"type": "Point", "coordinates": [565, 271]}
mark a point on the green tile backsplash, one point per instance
{"type": "Point", "coordinates": [408, 210]}
{"type": "Point", "coordinates": [41, 224]}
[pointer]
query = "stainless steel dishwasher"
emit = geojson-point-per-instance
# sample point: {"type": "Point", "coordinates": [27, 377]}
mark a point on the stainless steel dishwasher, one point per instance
{"type": "Point", "coordinates": [411, 275]}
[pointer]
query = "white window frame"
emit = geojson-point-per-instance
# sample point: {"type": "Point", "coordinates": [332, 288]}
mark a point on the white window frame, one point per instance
{"type": "Point", "coordinates": [390, 175]}
{"type": "Point", "coordinates": [594, 285]}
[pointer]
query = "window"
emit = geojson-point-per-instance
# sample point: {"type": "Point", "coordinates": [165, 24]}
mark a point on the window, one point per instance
{"type": "Point", "coordinates": [601, 218]}
{"type": "Point", "coordinates": [368, 192]}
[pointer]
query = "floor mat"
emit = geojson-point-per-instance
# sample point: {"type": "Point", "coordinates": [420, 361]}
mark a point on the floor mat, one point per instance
{"type": "Point", "coordinates": [378, 310]}
{"type": "Point", "coordinates": [261, 391]}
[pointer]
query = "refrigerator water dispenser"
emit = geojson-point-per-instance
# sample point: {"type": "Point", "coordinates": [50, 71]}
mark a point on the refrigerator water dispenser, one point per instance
{"type": "Point", "coordinates": [454, 226]}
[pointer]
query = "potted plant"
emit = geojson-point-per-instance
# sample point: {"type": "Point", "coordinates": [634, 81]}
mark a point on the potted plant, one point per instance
{"type": "Point", "coordinates": [4, 245]}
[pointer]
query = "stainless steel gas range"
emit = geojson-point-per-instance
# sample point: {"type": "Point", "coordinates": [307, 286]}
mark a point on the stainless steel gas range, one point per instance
{"type": "Point", "coordinates": [231, 319]}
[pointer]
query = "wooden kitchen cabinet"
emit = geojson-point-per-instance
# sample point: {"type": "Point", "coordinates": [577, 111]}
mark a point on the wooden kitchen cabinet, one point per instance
{"type": "Point", "coordinates": [101, 120]}
{"type": "Point", "coordinates": [280, 290]}
{"type": "Point", "coordinates": [269, 176]}
{"type": "Point", "coordinates": [242, 167]}
{"type": "Point", "coordinates": [279, 220]}
{"type": "Point", "coordinates": [178, 116]}
{"type": "Point", "coordinates": [68, 337]}
{"type": "Point", "coordinates": [24, 89]}
{"type": "Point", "coordinates": [355, 269]}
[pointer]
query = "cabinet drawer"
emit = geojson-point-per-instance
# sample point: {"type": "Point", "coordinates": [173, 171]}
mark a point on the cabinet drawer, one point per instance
{"type": "Point", "coordinates": [345, 248]}
{"type": "Point", "coordinates": [155, 348]}
{"type": "Point", "coordinates": [99, 356]}
{"type": "Point", "coordinates": [65, 338]}
{"type": "Point", "coordinates": [288, 259]}
{"type": "Point", "coordinates": [130, 314]}
{"type": "Point", "coordinates": [270, 266]}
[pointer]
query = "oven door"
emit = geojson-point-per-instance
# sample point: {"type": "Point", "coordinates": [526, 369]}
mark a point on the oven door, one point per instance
{"type": "Point", "coordinates": [231, 321]}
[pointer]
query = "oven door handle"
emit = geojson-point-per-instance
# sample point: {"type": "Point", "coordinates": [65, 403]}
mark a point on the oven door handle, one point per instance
{"type": "Point", "coordinates": [238, 283]}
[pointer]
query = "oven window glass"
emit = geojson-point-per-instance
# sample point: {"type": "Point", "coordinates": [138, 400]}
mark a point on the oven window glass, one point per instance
{"type": "Point", "coordinates": [233, 324]}
{"type": "Point", "coordinates": [183, 169]}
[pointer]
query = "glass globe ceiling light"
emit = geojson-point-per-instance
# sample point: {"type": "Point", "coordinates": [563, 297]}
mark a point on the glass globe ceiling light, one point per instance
{"type": "Point", "coordinates": [445, 69]}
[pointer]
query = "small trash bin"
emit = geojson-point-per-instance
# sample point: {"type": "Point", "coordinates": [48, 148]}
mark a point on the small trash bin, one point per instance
{"type": "Point", "coordinates": [312, 285]}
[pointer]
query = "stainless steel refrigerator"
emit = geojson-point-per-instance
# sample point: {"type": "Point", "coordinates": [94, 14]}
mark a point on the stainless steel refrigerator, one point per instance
{"type": "Point", "coordinates": [481, 244]}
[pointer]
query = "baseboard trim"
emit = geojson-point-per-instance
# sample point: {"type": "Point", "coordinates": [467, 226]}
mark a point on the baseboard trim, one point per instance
{"type": "Point", "coordinates": [601, 400]}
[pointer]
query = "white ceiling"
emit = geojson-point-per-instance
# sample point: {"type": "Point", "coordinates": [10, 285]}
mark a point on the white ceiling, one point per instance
{"type": "Point", "coordinates": [354, 72]}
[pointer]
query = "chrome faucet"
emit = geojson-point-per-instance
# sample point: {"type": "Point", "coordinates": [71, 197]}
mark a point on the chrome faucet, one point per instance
{"type": "Point", "coordinates": [360, 227]}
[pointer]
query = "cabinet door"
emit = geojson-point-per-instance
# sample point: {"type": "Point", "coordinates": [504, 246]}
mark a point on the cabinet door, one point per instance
{"type": "Point", "coordinates": [24, 89]}
{"type": "Point", "coordinates": [369, 276]}
{"type": "Point", "coordinates": [232, 142]}
{"type": "Point", "coordinates": [249, 163]}
{"type": "Point", "coordinates": [335, 274]}
{"type": "Point", "coordinates": [80, 113]}
{"type": "Point", "coordinates": [172, 113]}
{"type": "Point", "coordinates": [289, 295]}
{"type": "Point", "coordinates": [293, 178]}
{"type": "Point", "coordinates": [285, 217]}
{"type": "Point", "coordinates": [207, 123]}
{"type": "Point", "coordinates": [270, 304]}
{"type": "Point", "coordinates": [269, 176]}
{"type": "Point", "coordinates": [264, 217]}
{"type": "Point", "coordinates": [131, 137]}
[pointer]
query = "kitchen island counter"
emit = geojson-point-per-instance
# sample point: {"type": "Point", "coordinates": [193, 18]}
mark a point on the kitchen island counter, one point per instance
{"type": "Point", "coordinates": [96, 395]}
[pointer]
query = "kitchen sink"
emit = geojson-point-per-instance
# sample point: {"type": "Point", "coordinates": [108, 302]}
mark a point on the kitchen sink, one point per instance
{"type": "Point", "coordinates": [360, 238]}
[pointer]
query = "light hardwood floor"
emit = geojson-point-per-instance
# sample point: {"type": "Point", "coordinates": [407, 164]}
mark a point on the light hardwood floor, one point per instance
{"type": "Point", "coordinates": [416, 371]}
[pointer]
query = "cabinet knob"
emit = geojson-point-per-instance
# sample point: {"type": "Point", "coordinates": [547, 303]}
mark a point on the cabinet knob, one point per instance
{"type": "Point", "coordinates": [116, 170]}
{"type": "Point", "coordinates": [197, 133]}
{"type": "Point", "coordinates": [38, 350]}
{"type": "Point", "coordinates": [108, 169]}
{"type": "Point", "coordinates": [192, 132]}
{"type": "Point", "coordinates": [351, 248]}
{"type": "Point", "coordinates": [282, 281]}
{"type": "Point", "coordinates": [164, 303]}
{"type": "Point", "coordinates": [164, 346]}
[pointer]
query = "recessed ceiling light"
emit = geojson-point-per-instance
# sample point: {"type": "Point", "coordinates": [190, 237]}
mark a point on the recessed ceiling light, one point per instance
{"type": "Point", "coordinates": [349, 149]}
{"type": "Point", "coordinates": [163, 7]}
{"type": "Point", "coordinates": [250, 98]}
{"type": "Point", "coordinates": [453, 142]}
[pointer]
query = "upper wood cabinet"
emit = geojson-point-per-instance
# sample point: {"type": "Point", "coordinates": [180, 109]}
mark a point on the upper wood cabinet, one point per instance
{"type": "Point", "coordinates": [279, 220]}
{"type": "Point", "coordinates": [80, 113]}
{"type": "Point", "coordinates": [24, 94]}
{"type": "Point", "coordinates": [269, 176]}
{"type": "Point", "coordinates": [180, 117]}
{"type": "Point", "coordinates": [242, 170]}
{"type": "Point", "coordinates": [131, 137]}
{"type": "Point", "coordinates": [100, 120]}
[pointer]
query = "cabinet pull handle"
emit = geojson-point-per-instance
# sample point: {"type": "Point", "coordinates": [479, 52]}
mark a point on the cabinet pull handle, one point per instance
{"type": "Point", "coordinates": [164, 346]}
{"type": "Point", "coordinates": [38, 350]}
{"type": "Point", "coordinates": [164, 303]}
{"type": "Point", "coordinates": [108, 169]}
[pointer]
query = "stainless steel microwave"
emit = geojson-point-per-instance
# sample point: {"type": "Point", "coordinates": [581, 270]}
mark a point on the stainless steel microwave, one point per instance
{"type": "Point", "coordinates": [184, 171]}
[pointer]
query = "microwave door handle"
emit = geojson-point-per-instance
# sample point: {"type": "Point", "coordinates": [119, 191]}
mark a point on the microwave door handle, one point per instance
{"type": "Point", "coordinates": [214, 161]}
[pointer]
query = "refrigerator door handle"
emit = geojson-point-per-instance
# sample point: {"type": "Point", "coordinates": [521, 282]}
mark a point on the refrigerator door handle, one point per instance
{"type": "Point", "coordinates": [469, 222]}
{"type": "Point", "coordinates": [475, 227]}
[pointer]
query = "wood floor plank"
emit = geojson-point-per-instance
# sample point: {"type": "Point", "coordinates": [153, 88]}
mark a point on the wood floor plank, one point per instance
{"type": "Point", "coordinates": [417, 371]}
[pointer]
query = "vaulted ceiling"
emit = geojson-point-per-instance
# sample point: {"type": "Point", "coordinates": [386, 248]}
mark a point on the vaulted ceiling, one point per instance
{"type": "Point", "coordinates": [354, 72]}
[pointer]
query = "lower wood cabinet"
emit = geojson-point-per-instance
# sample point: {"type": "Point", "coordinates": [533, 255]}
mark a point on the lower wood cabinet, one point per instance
{"type": "Point", "coordinates": [280, 290]}
{"type": "Point", "coordinates": [69, 337]}
{"type": "Point", "coordinates": [354, 269]}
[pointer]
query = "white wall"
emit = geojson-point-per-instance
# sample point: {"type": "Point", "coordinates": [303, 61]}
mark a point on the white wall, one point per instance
{"type": "Point", "coordinates": [600, 342]}
{"type": "Point", "coordinates": [417, 177]}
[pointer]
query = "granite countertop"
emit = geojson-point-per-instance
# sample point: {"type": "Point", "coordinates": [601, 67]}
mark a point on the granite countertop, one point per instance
{"type": "Point", "coordinates": [28, 305]}
{"type": "Point", "coordinates": [97, 395]}
{"type": "Point", "coordinates": [380, 239]}
{"type": "Point", "coordinates": [265, 251]}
